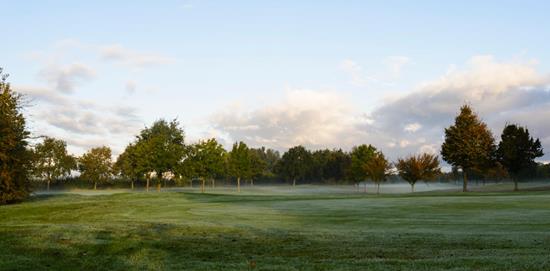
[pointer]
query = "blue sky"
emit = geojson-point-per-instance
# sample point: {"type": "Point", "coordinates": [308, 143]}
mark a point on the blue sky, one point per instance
{"type": "Point", "coordinates": [278, 73]}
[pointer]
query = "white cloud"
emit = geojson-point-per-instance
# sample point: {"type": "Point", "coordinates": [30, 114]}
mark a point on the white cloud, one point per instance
{"type": "Point", "coordinates": [500, 92]}
{"type": "Point", "coordinates": [412, 127]}
{"type": "Point", "coordinates": [119, 53]}
{"type": "Point", "coordinates": [305, 117]}
{"type": "Point", "coordinates": [65, 77]}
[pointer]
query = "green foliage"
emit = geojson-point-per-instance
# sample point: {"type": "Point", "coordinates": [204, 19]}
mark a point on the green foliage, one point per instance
{"type": "Point", "coordinates": [160, 148]}
{"type": "Point", "coordinates": [51, 160]}
{"type": "Point", "coordinates": [14, 156]}
{"type": "Point", "coordinates": [258, 163]}
{"type": "Point", "coordinates": [96, 166]}
{"type": "Point", "coordinates": [517, 151]}
{"type": "Point", "coordinates": [468, 143]}
{"type": "Point", "coordinates": [329, 165]}
{"type": "Point", "coordinates": [127, 165]}
{"type": "Point", "coordinates": [264, 162]}
{"type": "Point", "coordinates": [295, 164]}
{"type": "Point", "coordinates": [418, 167]}
{"type": "Point", "coordinates": [205, 160]}
{"type": "Point", "coordinates": [360, 155]}
{"type": "Point", "coordinates": [239, 163]}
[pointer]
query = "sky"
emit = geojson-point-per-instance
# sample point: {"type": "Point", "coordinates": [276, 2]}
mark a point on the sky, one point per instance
{"type": "Point", "coordinates": [323, 74]}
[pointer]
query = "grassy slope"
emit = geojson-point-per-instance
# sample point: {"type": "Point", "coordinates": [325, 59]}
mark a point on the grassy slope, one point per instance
{"type": "Point", "coordinates": [294, 232]}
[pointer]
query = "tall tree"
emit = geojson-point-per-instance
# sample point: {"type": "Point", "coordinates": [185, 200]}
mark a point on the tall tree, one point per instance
{"type": "Point", "coordinates": [205, 160]}
{"type": "Point", "coordinates": [258, 164]}
{"type": "Point", "coordinates": [360, 155]}
{"type": "Point", "coordinates": [295, 164]}
{"type": "Point", "coordinates": [239, 163]}
{"type": "Point", "coordinates": [96, 165]}
{"type": "Point", "coordinates": [468, 144]}
{"type": "Point", "coordinates": [418, 167]}
{"type": "Point", "coordinates": [127, 165]}
{"type": "Point", "coordinates": [517, 151]}
{"type": "Point", "coordinates": [14, 156]}
{"type": "Point", "coordinates": [377, 169]}
{"type": "Point", "coordinates": [51, 160]}
{"type": "Point", "coordinates": [160, 149]}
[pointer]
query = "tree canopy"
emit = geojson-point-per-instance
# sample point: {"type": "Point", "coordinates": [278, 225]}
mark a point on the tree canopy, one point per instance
{"type": "Point", "coordinates": [377, 169]}
{"type": "Point", "coordinates": [160, 149]}
{"type": "Point", "coordinates": [51, 160]}
{"type": "Point", "coordinates": [96, 165]}
{"type": "Point", "coordinates": [418, 167]}
{"type": "Point", "coordinates": [295, 164]}
{"type": "Point", "coordinates": [360, 155]}
{"type": "Point", "coordinates": [468, 143]}
{"type": "Point", "coordinates": [14, 156]}
{"type": "Point", "coordinates": [517, 151]}
{"type": "Point", "coordinates": [239, 163]}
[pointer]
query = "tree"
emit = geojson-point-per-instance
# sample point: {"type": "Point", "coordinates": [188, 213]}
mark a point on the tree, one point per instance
{"type": "Point", "coordinates": [14, 156]}
{"type": "Point", "coordinates": [258, 165]}
{"type": "Point", "coordinates": [160, 149]}
{"type": "Point", "coordinates": [127, 164]}
{"type": "Point", "coordinates": [239, 163]}
{"type": "Point", "coordinates": [468, 144]}
{"type": "Point", "coordinates": [295, 164]}
{"type": "Point", "coordinates": [377, 169]}
{"type": "Point", "coordinates": [360, 155]}
{"type": "Point", "coordinates": [517, 151]}
{"type": "Point", "coordinates": [96, 166]}
{"type": "Point", "coordinates": [418, 167]}
{"type": "Point", "coordinates": [205, 160]}
{"type": "Point", "coordinates": [51, 160]}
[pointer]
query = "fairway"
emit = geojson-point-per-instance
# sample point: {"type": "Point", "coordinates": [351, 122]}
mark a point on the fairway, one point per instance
{"type": "Point", "coordinates": [331, 231]}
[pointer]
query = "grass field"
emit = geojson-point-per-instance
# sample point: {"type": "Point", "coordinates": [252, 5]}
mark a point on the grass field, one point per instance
{"type": "Point", "coordinates": [300, 230]}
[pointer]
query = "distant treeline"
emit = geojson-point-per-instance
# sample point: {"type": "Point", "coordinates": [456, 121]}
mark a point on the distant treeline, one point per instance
{"type": "Point", "coordinates": [159, 156]}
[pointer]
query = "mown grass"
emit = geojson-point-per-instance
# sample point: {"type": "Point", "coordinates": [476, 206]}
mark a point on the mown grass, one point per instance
{"type": "Point", "coordinates": [190, 231]}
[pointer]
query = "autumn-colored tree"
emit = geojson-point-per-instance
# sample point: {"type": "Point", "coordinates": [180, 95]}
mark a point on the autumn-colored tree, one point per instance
{"type": "Point", "coordinates": [95, 165]}
{"type": "Point", "coordinates": [418, 167]}
{"type": "Point", "coordinates": [468, 144]}
{"type": "Point", "coordinates": [377, 169]}
{"type": "Point", "coordinates": [14, 156]}
{"type": "Point", "coordinates": [360, 155]}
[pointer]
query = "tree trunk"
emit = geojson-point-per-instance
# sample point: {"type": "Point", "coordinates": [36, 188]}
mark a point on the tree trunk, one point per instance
{"type": "Point", "coordinates": [412, 188]}
{"type": "Point", "coordinates": [365, 187]}
{"type": "Point", "coordinates": [132, 184]}
{"type": "Point", "coordinates": [239, 184]}
{"type": "Point", "coordinates": [251, 182]}
{"type": "Point", "coordinates": [465, 181]}
{"type": "Point", "coordinates": [294, 182]}
{"type": "Point", "coordinates": [378, 189]}
{"type": "Point", "coordinates": [48, 185]}
{"type": "Point", "coordinates": [202, 185]}
{"type": "Point", "coordinates": [95, 185]}
{"type": "Point", "coordinates": [147, 185]}
{"type": "Point", "coordinates": [213, 183]}
{"type": "Point", "coordinates": [158, 185]}
{"type": "Point", "coordinates": [516, 185]}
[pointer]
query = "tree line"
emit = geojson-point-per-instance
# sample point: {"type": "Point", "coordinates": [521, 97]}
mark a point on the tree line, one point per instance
{"type": "Point", "coordinates": [159, 154]}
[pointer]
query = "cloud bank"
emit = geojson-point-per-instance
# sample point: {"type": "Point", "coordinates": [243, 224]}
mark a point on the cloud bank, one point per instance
{"type": "Point", "coordinates": [499, 91]}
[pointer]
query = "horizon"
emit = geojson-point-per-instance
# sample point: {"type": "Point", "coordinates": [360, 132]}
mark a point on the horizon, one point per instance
{"type": "Point", "coordinates": [279, 74]}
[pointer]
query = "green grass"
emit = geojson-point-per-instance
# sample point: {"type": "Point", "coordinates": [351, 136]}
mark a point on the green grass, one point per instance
{"type": "Point", "coordinates": [295, 231]}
